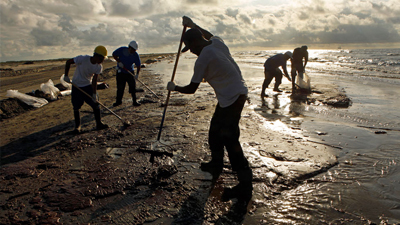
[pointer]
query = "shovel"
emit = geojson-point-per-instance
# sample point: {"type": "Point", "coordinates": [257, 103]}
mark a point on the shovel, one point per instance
{"type": "Point", "coordinates": [126, 123]}
{"type": "Point", "coordinates": [141, 83]}
{"type": "Point", "coordinates": [157, 147]}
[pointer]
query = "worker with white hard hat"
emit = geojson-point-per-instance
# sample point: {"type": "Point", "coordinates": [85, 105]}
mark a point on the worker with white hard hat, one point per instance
{"type": "Point", "coordinates": [127, 58]}
{"type": "Point", "coordinates": [271, 70]}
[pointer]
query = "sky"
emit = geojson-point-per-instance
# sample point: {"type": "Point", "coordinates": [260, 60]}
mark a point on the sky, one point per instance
{"type": "Point", "coordinates": [51, 29]}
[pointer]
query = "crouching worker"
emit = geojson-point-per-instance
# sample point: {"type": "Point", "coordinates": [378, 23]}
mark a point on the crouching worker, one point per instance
{"type": "Point", "coordinates": [271, 70]}
{"type": "Point", "coordinates": [217, 67]}
{"type": "Point", "coordinates": [85, 77]}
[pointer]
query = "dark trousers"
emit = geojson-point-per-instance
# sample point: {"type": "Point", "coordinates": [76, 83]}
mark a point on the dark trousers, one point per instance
{"type": "Point", "coordinates": [224, 132]}
{"type": "Point", "coordinates": [122, 79]}
{"type": "Point", "coordinates": [297, 69]}
{"type": "Point", "coordinates": [78, 98]}
{"type": "Point", "coordinates": [269, 75]}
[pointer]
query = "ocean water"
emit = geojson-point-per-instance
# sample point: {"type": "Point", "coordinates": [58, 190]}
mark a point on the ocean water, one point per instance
{"type": "Point", "coordinates": [365, 186]}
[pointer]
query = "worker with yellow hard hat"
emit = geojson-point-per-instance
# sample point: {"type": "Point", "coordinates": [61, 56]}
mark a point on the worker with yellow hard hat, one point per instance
{"type": "Point", "coordinates": [85, 77]}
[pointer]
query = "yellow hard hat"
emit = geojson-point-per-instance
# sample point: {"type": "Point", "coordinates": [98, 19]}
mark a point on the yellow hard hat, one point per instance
{"type": "Point", "coordinates": [101, 50]}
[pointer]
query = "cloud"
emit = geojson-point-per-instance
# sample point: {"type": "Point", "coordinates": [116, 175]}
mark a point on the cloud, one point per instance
{"type": "Point", "coordinates": [48, 29]}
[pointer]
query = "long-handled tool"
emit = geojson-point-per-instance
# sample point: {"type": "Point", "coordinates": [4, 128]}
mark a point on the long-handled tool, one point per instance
{"type": "Point", "coordinates": [126, 123]}
{"type": "Point", "coordinates": [141, 82]}
{"type": "Point", "coordinates": [172, 79]}
{"type": "Point", "coordinates": [158, 147]}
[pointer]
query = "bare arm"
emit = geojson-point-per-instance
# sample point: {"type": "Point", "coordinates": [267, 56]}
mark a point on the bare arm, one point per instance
{"type": "Point", "coordinates": [188, 89]}
{"type": "Point", "coordinates": [286, 73]}
{"type": "Point", "coordinates": [137, 70]}
{"type": "Point", "coordinates": [305, 60]}
{"type": "Point", "coordinates": [94, 83]}
{"type": "Point", "coordinates": [68, 66]}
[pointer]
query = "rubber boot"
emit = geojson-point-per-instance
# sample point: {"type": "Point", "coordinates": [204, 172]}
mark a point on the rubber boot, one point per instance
{"type": "Point", "coordinates": [276, 87]}
{"type": "Point", "coordinates": [118, 101]}
{"type": "Point", "coordinates": [99, 125]}
{"type": "Point", "coordinates": [244, 190]}
{"type": "Point", "coordinates": [77, 121]}
{"type": "Point", "coordinates": [134, 102]}
{"type": "Point", "coordinates": [215, 166]}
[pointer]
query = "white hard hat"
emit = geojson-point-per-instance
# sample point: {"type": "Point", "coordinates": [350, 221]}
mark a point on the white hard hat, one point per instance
{"type": "Point", "coordinates": [134, 45]}
{"type": "Point", "coordinates": [289, 53]}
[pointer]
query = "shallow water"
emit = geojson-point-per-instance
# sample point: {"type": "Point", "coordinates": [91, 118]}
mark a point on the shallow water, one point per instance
{"type": "Point", "coordinates": [365, 185]}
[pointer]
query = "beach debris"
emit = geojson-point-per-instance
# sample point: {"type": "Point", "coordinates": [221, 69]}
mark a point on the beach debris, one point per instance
{"type": "Point", "coordinates": [149, 61]}
{"type": "Point", "coordinates": [340, 101]}
{"type": "Point", "coordinates": [49, 88]}
{"type": "Point", "coordinates": [321, 143]}
{"type": "Point", "coordinates": [27, 99]}
{"type": "Point", "coordinates": [321, 133]}
{"type": "Point", "coordinates": [379, 128]}
{"type": "Point", "coordinates": [380, 132]}
{"type": "Point", "coordinates": [67, 85]}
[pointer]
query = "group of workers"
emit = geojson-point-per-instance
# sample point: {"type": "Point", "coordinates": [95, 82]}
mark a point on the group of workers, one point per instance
{"type": "Point", "coordinates": [88, 68]}
{"type": "Point", "coordinates": [214, 65]}
{"type": "Point", "coordinates": [272, 64]}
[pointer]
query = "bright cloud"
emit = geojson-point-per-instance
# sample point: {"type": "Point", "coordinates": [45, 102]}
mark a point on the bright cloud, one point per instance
{"type": "Point", "coordinates": [44, 29]}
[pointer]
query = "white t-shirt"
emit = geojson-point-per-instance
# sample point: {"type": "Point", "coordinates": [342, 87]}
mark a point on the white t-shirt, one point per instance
{"type": "Point", "coordinates": [216, 65]}
{"type": "Point", "coordinates": [85, 70]}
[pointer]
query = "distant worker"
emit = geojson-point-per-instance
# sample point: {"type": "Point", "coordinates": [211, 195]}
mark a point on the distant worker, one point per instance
{"type": "Point", "coordinates": [85, 77]}
{"type": "Point", "coordinates": [126, 58]}
{"type": "Point", "coordinates": [271, 70]}
{"type": "Point", "coordinates": [217, 67]}
{"type": "Point", "coordinates": [298, 68]}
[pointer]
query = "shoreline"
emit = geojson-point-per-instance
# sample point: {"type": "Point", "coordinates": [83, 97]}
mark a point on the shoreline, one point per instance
{"type": "Point", "coordinates": [49, 174]}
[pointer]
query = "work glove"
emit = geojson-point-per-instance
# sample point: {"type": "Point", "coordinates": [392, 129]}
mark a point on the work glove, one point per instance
{"type": "Point", "coordinates": [171, 86]}
{"type": "Point", "coordinates": [95, 97]}
{"type": "Point", "coordinates": [186, 21]}
{"type": "Point", "coordinates": [136, 76]}
{"type": "Point", "coordinates": [66, 79]}
{"type": "Point", "coordinates": [121, 65]}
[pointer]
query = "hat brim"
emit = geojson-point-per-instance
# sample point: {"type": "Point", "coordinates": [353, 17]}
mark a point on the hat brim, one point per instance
{"type": "Point", "coordinates": [105, 57]}
{"type": "Point", "coordinates": [185, 49]}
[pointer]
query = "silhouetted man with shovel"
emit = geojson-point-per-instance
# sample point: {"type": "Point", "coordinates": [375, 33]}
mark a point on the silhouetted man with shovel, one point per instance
{"type": "Point", "coordinates": [216, 66]}
{"type": "Point", "coordinates": [271, 70]}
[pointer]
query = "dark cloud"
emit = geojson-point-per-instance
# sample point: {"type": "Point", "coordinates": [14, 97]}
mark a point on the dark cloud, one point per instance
{"type": "Point", "coordinates": [65, 23]}
{"type": "Point", "coordinates": [377, 33]}
{"type": "Point", "coordinates": [245, 19]}
{"type": "Point", "coordinates": [11, 14]}
{"type": "Point", "coordinates": [232, 12]}
{"type": "Point", "coordinates": [44, 37]}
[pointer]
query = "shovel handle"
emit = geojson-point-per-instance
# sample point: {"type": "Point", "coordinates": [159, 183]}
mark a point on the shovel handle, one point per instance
{"type": "Point", "coordinates": [97, 102]}
{"type": "Point", "coordinates": [141, 83]}
{"type": "Point", "coordinates": [172, 79]}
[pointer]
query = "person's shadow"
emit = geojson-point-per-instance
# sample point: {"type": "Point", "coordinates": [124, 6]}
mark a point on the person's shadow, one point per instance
{"type": "Point", "coordinates": [193, 209]}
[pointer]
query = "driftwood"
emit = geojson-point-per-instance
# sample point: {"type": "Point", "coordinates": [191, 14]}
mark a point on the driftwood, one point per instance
{"type": "Point", "coordinates": [333, 146]}
{"type": "Point", "coordinates": [378, 128]}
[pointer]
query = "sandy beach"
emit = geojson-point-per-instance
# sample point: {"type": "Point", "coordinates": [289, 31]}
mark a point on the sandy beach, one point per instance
{"type": "Point", "coordinates": [51, 176]}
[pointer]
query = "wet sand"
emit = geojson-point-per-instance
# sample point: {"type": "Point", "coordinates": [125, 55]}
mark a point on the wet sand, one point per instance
{"type": "Point", "coordinates": [48, 174]}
